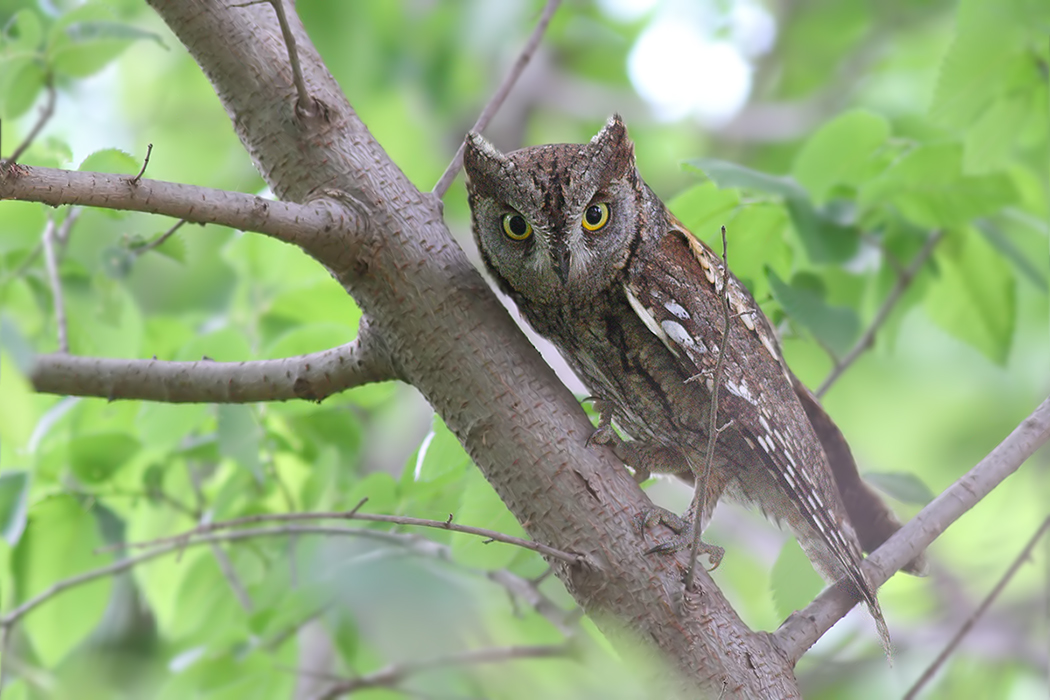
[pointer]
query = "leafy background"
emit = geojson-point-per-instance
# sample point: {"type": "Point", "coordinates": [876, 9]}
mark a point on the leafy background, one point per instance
{"type": "Point", "coordinates": [892, 121]}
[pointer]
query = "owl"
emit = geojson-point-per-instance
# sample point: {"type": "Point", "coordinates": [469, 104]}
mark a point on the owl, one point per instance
{"type": "Point", "coordinates": [635, 303]}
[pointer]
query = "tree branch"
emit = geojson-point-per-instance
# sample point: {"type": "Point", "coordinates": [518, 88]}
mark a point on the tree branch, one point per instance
{"type": "Point", "coordinates": [311, 377]}
{"type": "Point", "coordinates": [58, 299]}
{"type": "Point", "coordinates": [15, 614]}
{"type": "Point", "coordinates": [395, 674]}
{"type": "Point", "coordinates": [206, 528]}
{"type": "Point", "coordinates": [445, 181]}
{"type": "Point", "coordinates": [300, 224]}
{"type": "Point", "coordinates": [804, 628]}
{"type": "Point", "coordinates": [904, 280]}
{"type": "Point", "coordinates": [928, 674]}
{"type": "Point", "coordinates": [45, 115]}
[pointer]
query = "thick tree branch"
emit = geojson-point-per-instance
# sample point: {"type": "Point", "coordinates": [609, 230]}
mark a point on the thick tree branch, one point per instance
{"type": "Point", "coordinates": [311, 377]}
{"type": "Point", "coordinates": [804, 628]}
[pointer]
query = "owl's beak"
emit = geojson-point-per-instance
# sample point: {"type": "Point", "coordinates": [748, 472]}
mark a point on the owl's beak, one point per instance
{"type": "Point", "coordinates": [560, 258]}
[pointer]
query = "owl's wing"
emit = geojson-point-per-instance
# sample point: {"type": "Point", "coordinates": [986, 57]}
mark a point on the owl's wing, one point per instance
{"type": "Point", "coordinates": [677, 294]}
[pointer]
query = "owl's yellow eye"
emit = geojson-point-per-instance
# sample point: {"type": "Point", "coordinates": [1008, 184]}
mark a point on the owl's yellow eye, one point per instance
{"type": "Point", "coordinates": [516, 227]}
{"type": "Point", "coordinates": [596, 216]}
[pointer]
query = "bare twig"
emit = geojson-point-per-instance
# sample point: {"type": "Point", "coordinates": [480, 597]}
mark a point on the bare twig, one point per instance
{"type": "Point", "coordinates": [505, 87]}
{"type": "Point", "coordinates": [804, 628]}
{"type": "Point", "coordinates": [207, 528]}
{"type": "Point", "coordinates": [46, 113]}
{"type": "Point", "coordinates": [394, 674]}
{"type": "Point", "coordinates": [159, 240]}
{"type": "Point", "coordinates": [51, 262]}
{"type": "Point", "coordinates": [304, 105]}
{"type": "Point", "coordinates": [287, 530]}
{"type": "Point", "coordinates": [135, 180]}
{"type": "Point", "coordinates": [712, 423]}
{"type": "Point", "coordinates": [61, 236]}
{"type": "Point", "coordinates": [225, 565]}
{"type": "Point", "coordinates": [310, 377]}
{"type": "Point", "coordinates": [928, 674]}
{"type": "Point", "coordinates": [904, 280]}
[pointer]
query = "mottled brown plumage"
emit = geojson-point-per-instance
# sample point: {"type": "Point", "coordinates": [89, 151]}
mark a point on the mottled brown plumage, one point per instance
{"type": "Point", "coordinates": [633, 301]}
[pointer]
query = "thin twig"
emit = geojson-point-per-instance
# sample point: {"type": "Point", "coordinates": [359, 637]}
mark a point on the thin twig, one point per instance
{"type": "Point", "coordinates": [46, 113]}
{"type": "Point", "coordinates": [225, 565]}
{"type": "Point", "coordinates": [207, 528]}
{"type": "Point", "coordinates": [928, 674]}
{"type": "Point", "coordinates": [445, 181]}
{"type": "Point", "coordinates": [305, 104]}
{"type": "Point", "coordinates": [396, 673]}
{"type": "Point", "coordinates": [159, 240]}
{"type": "Point", "coordinates": [712, 423]}
{"type": "Point", "coordinates": [287, 530]}
{"type": "Point", "coordinates": [135, 180]}
{"type": "Point", "coordinates": [62, 236]}
{"type": "Point", "coordinates": [48, 241]}
{"type": "Point", "coordinates": [904, 280]}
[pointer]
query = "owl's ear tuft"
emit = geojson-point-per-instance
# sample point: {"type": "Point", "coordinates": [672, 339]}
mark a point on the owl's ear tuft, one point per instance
{"type": "Point", "coordinates": [482, 161]}
{"type": "Point", "coordinates": [613, 148]}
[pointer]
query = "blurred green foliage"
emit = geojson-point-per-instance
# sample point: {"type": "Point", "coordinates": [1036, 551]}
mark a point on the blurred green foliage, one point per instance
{"type": "Point", "coordinates": [909, 118]}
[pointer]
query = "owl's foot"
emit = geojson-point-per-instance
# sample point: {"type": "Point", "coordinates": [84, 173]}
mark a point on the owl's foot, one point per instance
{"type": "Point", "coordinates": [682, 526]}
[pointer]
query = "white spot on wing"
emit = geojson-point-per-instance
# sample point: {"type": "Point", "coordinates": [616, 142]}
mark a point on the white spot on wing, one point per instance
{"type": "Point", "coordinates": [677, 310]}
{"type": "Point", "coordinates": [676, 332]}
{"type": "Point", "coordinates": [648, 320]}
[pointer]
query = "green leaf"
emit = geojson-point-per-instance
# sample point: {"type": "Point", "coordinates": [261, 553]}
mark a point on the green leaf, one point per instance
{"type": "Point", "coordinates": [84, 40]}
{"type": "Point", "coordinates": [793, 581]}
{"type": "Point", "coordinates": [438, 455]}
{"type": "Point", "coordinates": [1011, 252]}
{"type": "Point", "coordinates": [20, 82]}
{"type": "Point", "coordinates": [838, 152]}
{"type": "Point", "coordinates": [239, 437]}
{"type": "Point", "coordinates": [727, 174]}
{"type": "Point", "coordinates": [991, 36]}
{"type": "Point", "coordinates": [117, 261]}
{"type": "Point", "coordinates": [990, 139]}
{"type": "Point", "coordinates": [23, 32]}
{"type": "Point", "coordinates": [974, 300]}
{"type": "Point", "coordinates": [904, 486]}
{"type": "Point", "coordinates": [110, 160]}
{"type": "Point", "coordinates": [825, 240]}
{"type": "Point", "coordinates": [174, 248]}
{"type": "Point", "coordinates": [835, 327]}
{"type": "Point", "coordinates": [705, 208]}
{"type": "Point", "coordinates": [59, 542]}
{"type": "Point", "coordinates": [94, 458]}
{"type": "Point", "coordinates": [481, 507]}
{"type": "Point", "coordinates": [14, 497]}
{"type": "Point", "coordinates": [928, 188]}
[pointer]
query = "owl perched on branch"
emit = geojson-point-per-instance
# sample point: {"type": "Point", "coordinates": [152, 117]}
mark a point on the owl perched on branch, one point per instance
{"type": "Point", "coordinates": [635, 303]}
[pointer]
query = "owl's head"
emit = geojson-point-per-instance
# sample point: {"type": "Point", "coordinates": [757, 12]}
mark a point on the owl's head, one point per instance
{"type": "Point", "coordinates": [555, 223]}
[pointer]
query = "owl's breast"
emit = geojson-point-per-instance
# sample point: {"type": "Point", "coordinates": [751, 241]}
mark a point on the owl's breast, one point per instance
{"type": "Point", "coordinates": [623, 363]}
